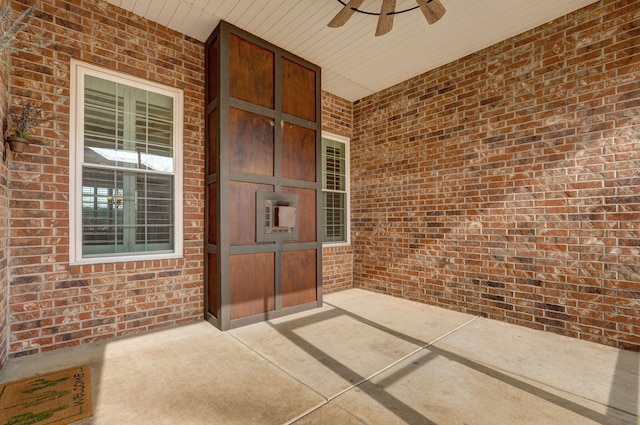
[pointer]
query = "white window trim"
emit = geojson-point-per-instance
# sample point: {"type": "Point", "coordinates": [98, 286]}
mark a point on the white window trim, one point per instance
{"type": "Point", "coordinates": [346, 141]}
{"type": "Point", "coordinates": [76, 131]}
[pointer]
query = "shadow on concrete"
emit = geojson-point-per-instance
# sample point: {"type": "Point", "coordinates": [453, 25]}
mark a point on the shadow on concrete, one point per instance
{"type": "Point", "coordinates": [625, 386]}
{"type": "Point", "coordinates": [429, 352]}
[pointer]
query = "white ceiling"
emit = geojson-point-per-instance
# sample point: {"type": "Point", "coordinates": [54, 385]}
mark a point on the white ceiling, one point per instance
{"type": "Point", "coordinates": [354, 62]}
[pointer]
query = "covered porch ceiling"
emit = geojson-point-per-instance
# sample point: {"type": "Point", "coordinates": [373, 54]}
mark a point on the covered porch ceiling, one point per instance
{"type": "Point", "coordinates": [354, 62]}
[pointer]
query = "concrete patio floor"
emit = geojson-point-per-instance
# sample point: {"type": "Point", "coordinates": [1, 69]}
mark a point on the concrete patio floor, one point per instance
{"type": "Point", "coordinates": [363, 358]}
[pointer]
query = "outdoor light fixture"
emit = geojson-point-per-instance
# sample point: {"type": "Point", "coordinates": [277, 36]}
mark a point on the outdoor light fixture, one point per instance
{"type": "Point", "coordinates": [433, 10]}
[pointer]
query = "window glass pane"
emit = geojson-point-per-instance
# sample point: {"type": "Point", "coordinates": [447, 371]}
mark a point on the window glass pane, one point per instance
{"type": "Point", "coordinates": [102, 115]}
{"type": "Point", "coordinates": [102, 211]}
{"type": "Point", "coordinates": [128, 180]}
{"type": "Point", "coordinates": [127, 127]}
{"type": "Point", "coordinates": [154, 212]}
{"type": "Point", "coordinates": [334, 191]}
{"type": "Point", "coordinates": [126, 212]}
{"type": "Point", "coordinates": [154, 126]}
{"type": "Point", "coordinates": [333, 226]}
{"type": "Point", "coordinates": [333, 165]}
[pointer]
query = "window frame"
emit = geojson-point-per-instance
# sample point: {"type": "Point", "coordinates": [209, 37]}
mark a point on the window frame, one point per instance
{"type": "Point", "coordinates": [346, 141]}
{"type": "Point", "coordinates": [76, 161]}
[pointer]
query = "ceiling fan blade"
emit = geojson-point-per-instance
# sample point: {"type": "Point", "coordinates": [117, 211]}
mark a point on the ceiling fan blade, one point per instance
{"type": "Point", "coordinates": [343, 16]}
{"type": "Point", "coordinates": [385, 20]}
{"type": "Point", "coordinates": [433, 10]}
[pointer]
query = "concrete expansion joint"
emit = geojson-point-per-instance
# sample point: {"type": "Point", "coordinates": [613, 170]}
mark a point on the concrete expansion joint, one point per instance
{"type": "Point", "coordinates": [274, 365]}
{"type": "Point", "coordinates": [373, 375]}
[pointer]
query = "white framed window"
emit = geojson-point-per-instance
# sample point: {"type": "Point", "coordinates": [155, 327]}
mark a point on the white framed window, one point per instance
{"type": "Point", "coordinates": [125, 167]}
{"type": "Point", "coordinates": [335, 190]}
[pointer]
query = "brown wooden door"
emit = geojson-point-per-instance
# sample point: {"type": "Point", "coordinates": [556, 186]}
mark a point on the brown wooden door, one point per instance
{"type": "Point", "coordinates": [263, 135]}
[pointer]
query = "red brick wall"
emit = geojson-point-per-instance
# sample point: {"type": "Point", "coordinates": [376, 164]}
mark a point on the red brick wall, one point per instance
{"type": "Point", "coordinates": [4, 206]}
{"type": "Point", "coordinates": [507, 183]}
{"type": "Point", "coordinates": [52, 304]}
{"type": "Point", "coordinates": [337, 262]}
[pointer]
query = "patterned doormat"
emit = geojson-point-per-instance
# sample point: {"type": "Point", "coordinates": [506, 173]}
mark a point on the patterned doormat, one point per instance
{"type": "Point", "coordinates": [56, 398]}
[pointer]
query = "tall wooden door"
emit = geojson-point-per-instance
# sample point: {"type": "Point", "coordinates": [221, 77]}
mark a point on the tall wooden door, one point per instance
{"type": "Point", "coordinates": [263, 180]}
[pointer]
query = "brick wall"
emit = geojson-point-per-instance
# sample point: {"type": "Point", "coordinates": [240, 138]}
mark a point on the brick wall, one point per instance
{"type": "Point", "coordinates": [4, 206]}
{"type": "Point", "coordinates": [507, 184]}
{"type": "Point", "coordinates": [337, 262]}
{"type": "Point", "coordinates": [52, 304]}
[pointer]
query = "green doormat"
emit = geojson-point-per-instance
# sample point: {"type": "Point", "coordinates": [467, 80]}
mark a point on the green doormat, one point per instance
{"type": "Point", "coordinates": [56, 398]}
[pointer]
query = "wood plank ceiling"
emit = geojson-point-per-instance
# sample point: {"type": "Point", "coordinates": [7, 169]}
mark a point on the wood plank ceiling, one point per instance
{"type": "Point", "coordinates": [354, 62]}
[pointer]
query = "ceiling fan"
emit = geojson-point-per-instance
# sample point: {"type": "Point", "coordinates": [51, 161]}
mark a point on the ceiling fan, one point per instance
{"type": "Point", "coordinates": [433, 10]}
